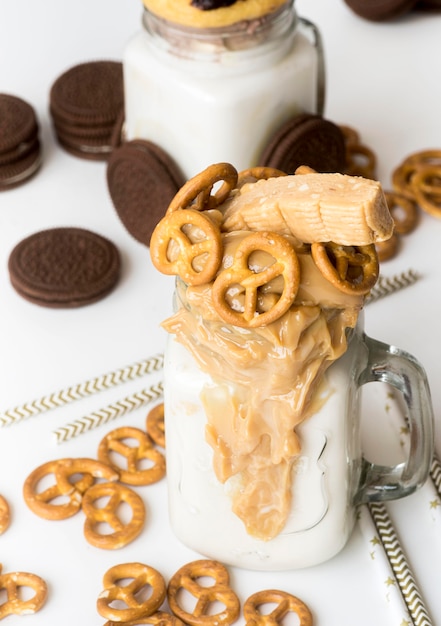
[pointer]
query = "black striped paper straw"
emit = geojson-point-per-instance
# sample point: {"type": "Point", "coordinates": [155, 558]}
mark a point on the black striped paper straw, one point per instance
{"type": "Point", "coordinates": [82, 390]}
{"type": "Point", "coordinates": [109, 413]}
{"type": "Point", "coordinates": [397, 559]}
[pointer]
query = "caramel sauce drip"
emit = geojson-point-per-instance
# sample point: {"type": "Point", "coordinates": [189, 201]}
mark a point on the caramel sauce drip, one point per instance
{"type": "Point", "coordinates": [266, 381]}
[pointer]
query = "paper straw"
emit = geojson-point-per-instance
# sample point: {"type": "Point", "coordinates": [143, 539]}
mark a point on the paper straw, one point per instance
{"type": "Point", "coordinates": [81, 390]}
{"type": "Point", "coordinates": [403, 574]}
{"type": "Point", "coordinates": [435, 473]}
{"type": "Point", "coordinates": [387, 285]}
{"type": "Point", "coordinates": [109, 413]}
{"type": "Point", "coordinates": [392, 592]}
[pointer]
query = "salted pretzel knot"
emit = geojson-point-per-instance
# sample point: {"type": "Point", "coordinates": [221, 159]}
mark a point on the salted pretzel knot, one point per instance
{"type": "Point", "coordinates": [258, 172]}
{"type": "Point", "coordinates": [155, 424]}
{"type": "Point", "coordinates": [11, 583]}
{"type": "Point", "coordinates": [96, 516]}
{"type": "Point", "coordinates": [285, 603]}
{"type": "Point", "coordinates": [402, 176]}
{"type": "Point", "coordinates": [5, 515]}
{"type": "Point", "coordinates": [187, 244]}
{"type": "Point", "coordinates": [426, 189]}
{"type": "Point", "coordinates": [72, 477]}
{"type": "Point", "coordinates": [196, 193]}
{"type": "Point", "coordinates": [124, 602]}
{"type": "Point", "coordinates": [351, 269]}
{"type": "Point", "coordinates": [117, 442]}
{"type": "Point", "coordinates": [186, 578]}
{"type": "Point", "coordinates": [250, 282]}
{"type": "Point", "coordinates": [160, 618]}
{"type": "Point", "coordinates": [403, 210]}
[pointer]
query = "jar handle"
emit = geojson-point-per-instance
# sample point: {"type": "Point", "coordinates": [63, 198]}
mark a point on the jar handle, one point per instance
{"type": "Point", "coordinates": [388, 364]}
{"type": "Point", "coordinates": [312, 32]}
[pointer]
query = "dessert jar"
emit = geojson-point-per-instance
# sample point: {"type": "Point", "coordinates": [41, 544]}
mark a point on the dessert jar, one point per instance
{"type": "Point", "coordinates": [218, 94]}
{"type": "Point", "coordinates": [215, 500]}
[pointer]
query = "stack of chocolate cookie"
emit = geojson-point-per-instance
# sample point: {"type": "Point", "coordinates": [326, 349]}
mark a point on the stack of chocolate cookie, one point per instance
{"type": "Point", "coordinates": [383, 10]}
{"type": "Point", "coordinates": [20, 149]}
{"type": "Point", "coordinates": [86, 103]}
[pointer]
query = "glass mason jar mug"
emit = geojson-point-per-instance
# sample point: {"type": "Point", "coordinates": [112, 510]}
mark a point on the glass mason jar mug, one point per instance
{"type": "Point", "coordinates": [208, 95]}
{"type": "Point", "coordinates": [220, 502]}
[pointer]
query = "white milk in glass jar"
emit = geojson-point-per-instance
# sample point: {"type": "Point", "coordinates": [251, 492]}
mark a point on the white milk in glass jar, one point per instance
{"type": "Point", "coordinates": [253, 510]}
{"type": "Point", "coordinates": [266, 361]}
{"type": "Point", "coordinates": [207, 95]}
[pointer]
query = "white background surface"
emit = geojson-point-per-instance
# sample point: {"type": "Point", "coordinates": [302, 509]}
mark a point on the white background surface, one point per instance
{"type": "Point", "coordinates": [383, 79]}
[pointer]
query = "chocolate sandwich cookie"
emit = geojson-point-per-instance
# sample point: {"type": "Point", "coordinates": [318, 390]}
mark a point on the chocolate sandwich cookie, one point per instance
{"type": "Point", "coordinates": [142, 180]}
{"type": "Point", "coordinates": [428, 5]}
{"type": "Point", "coordinates": [64, 267]}
{"type": "Point", "coordinates": [306, 139]}
{"type": "Point", "coordinates": [85, 103]}
{"type": "Point", "coordinates": [380, 10]}
{"type": "Point", "coordinates": [20, 148]}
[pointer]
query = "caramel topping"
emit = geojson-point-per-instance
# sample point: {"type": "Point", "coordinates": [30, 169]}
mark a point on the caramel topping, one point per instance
{"type": "Point", "coordinates": [265, 382]}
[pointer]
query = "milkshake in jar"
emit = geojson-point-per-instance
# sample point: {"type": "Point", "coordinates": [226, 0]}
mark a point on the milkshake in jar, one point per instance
{"type": "Point", "coordinates": [213, 84]}
{"type": "Point", "coordinates": [265, 361]}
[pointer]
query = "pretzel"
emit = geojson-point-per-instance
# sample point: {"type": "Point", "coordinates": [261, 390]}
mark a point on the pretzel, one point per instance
{"type": "Point", "coordinates": [305, 169]}
{"type": "Point", "coordinates": [11, 583]}
{"type": "Point", "coordinates": [5, 516]}
{"type": "Point", "coordinates": [160, 618]}
{"type": "Point", "coordinates": [388, 249]}
{"type": "Point", "coordinates": [351, 136]}
{"type": "Point", "coordinates": [351, 269]}
{"type": "Point", "coordinates": [72, 478]}
{"type": "Point", "coordinates": [240, 274]}
{"type": "Point", "coordinates": [116, 442]}
{"type": "Point", "coordinates": [123, 532]}
{"type": "Point", "coordinates": [259, 172]}
{"type": "Point", "coordinates": [196, 193]}
{"type": "Point", "coordinates": [404, 212]}
{"type": "Point", "coordinates": [285, 604]}
{"type": "Point", "coordinates": [403, 174]}
{"type": "Point", "coordinates": [360, 160]}
{"type": "Point", "coordinates": [155, 424]}
{"type": "Point", "coordinates": [186, 578]}
{"type": "Point", "coordinates": [188, 244]}
{"type": "Point", "coordinates": [426, 187]}
{"type": "Point", "coordinates": [129, 595]}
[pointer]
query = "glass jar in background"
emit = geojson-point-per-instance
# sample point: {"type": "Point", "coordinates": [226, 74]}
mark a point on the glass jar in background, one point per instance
{"type": "Point", "coordinates": [218, 94]}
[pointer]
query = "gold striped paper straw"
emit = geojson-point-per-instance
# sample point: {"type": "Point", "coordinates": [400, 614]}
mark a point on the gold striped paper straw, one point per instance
{"type": "Point", "coordinates": [387, 285]}
{"type": "Point", "coordinates": [81, 390]}
{"type": "Point", "coordinates": [397, 559]}
{"type": "Point", "coordinates": [435, 474]}
{"type": "Point", "coordinates": [111, 412]}
{"type": "Point", "coordinates": [379, 558]}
